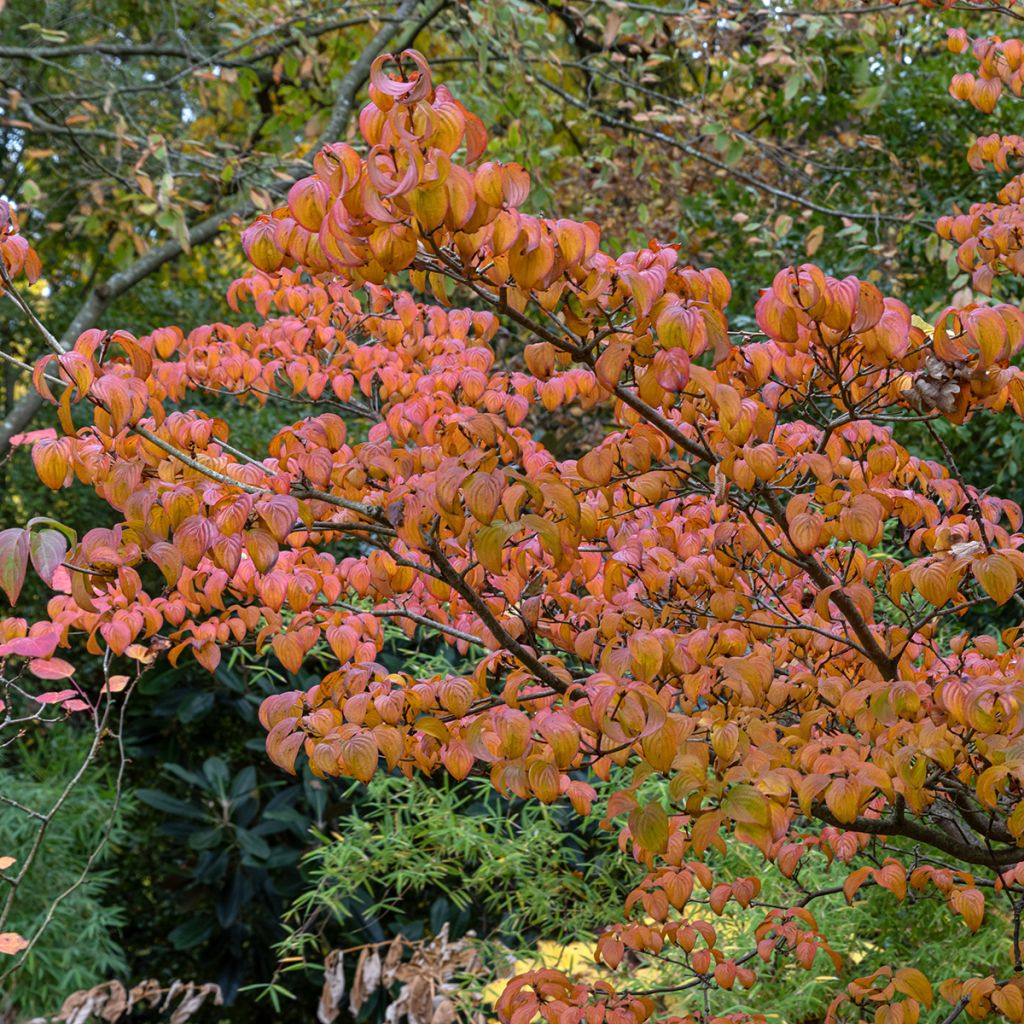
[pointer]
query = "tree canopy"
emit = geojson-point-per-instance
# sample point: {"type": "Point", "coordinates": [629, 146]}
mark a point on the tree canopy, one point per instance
{"type": "Point", "coordinates": [473, 481]}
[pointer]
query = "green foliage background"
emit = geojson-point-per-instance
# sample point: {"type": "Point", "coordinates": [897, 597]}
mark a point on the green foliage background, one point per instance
{"type": "Point", "coordinates": [83, 943]}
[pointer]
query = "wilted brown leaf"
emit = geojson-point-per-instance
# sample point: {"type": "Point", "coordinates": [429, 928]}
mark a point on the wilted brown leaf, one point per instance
{"type": "Point", "coordinates": [421, 1000]}
{"type": "Point", "coordinates": [110, 1001]}
{"type": "Point", "coordinates": [392, 960]}
{"type": "Point", "coordinates": [334, 987]}
{"type": "Point", "coordinates": [148, 991]}
{"type": "Point", "coordinates": [444, 1013]}
{"type": "Point", "coordinates": [192, 1000]}
{"type": "Point", "coordinates": [366, 979]}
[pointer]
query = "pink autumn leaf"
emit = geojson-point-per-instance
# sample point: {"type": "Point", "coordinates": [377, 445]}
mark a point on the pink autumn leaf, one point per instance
{"type": "Point", "coordinates": [61, 580]}
{"type": "Point", "coordinates": [115, 684]}
{"type": "Point", "coordinates": [40, 646]}
{"type": "Point", "coordinates": [31, 436]}
{"type": "Point", "coordinates": [75, 705]}
{"type": "Point", "coordinates": [11, 943]}
{"type": "Point", "coordinates": [51, 668]}
{"type": "Point", "coordinates": [55, 696]}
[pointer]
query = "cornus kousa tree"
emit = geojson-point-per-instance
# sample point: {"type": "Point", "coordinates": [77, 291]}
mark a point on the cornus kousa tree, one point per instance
{"type": "Point", "coordinates": [746, 604]}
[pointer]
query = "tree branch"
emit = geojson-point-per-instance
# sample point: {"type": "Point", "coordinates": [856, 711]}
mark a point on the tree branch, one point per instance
{"type": "Point", "coordinates": [913, 829]}
{"type": "Point", "coordinates": [749, 179]}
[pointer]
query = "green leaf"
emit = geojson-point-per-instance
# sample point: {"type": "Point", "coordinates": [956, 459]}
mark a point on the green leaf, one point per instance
{"type": "Point", "coordinates": [229, 903]}
{"type": "Point", "coordinates": [243, 783]}
{"type": "Point", "coordinates": [68, 532]}
{"type": "Point", "coordinates": [489, 542]}
{"type": "Point", "coordinates": [197, 705]}
{"type": "Point", "coordinates": [181, 773]}
{"type": "Point", "coordinates": [734, 151]}
{"type": "Point", "coordinates": [870, 98]}
{"type": "Point", "coordinates": [783, 224]}
{"type": "Point", "coordinates": [216, 771]}
{"type": "Point", "coordinates": [206, 838]}
{"type": "Point", "coordinates": [14, 553]}
{"type": "Point", "coordinates": [251, 844]}
{"type": "Point", "coordinates": [168, 804]}
{"type": "Point", "coordinates": [649, 825]}
{"type": "Point", "coordinates": [192, 933]}
{"type": "Point", "coordinates": [746, 804]}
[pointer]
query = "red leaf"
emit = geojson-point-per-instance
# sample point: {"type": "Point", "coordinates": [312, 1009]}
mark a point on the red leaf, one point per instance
{"type": "Point", "coordinates": [283, 744]}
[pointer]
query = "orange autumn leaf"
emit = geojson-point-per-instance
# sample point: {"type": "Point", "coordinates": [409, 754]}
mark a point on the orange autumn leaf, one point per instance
{"type": "Point", "coordinates": [732, 588]}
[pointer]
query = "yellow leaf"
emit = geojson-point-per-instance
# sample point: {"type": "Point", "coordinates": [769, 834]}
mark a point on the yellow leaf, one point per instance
{"type": "Point", "coordinates": [932, 581]}
{"type": "Point", "coordinates": [649, 825]}
{"type": "Point", "coordinates": [814, 239]}
{"type": "Point", "coordinates": [854, 881]}
{"type": "Point", "coordinates": [986, 787]}
{"type": "Point", "coordinates": [843, 799]}
{"type": "Point", "coordinates": [545, 781]}
{"type": "Point", "coordinates": [432, 727]}
{"type": "Point", "coordinates": [1009, 1000]}
{"type": "Point", "coordinates": [728, 403]}
{"type": "Point", "coordinates": [482, 494]}
{"type": "Point", "coordinates": [996, 575]}
{"type": "Point", "coordinates": [488, 543]}
{"type": "Point", "coordinates": [862, 520]}
{"type": "Point", "coordinates": [596, 466]}
{"type": "Point", "coordinates": [647, 654]}
{"type": "Point", "coordinates": [744, 803]}
{"type": "Point", "coordinates": [987, 329]}
{"type": "Point", "coordinates": [911, 982]}
{"type": "Point", "coordinates": [805, 530]}
{"type": "Point", "coordinates": [361, 755]}
{"type": "Point", "coordinates": [611, 363]}
{"type": "Point", "coordinates": [970, 905]}
{"type": "Point", "coordinates": [916, 321]}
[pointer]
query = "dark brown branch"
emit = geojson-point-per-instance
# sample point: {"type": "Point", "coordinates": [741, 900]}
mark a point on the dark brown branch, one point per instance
{"type": "Point", "coordinates": [457, 582]}
{"type": "Point", "coordinates": [911, 828]}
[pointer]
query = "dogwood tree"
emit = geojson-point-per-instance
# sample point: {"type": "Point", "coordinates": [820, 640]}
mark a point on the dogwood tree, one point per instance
{"type": "Point", "coordinates": [749, 598]}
